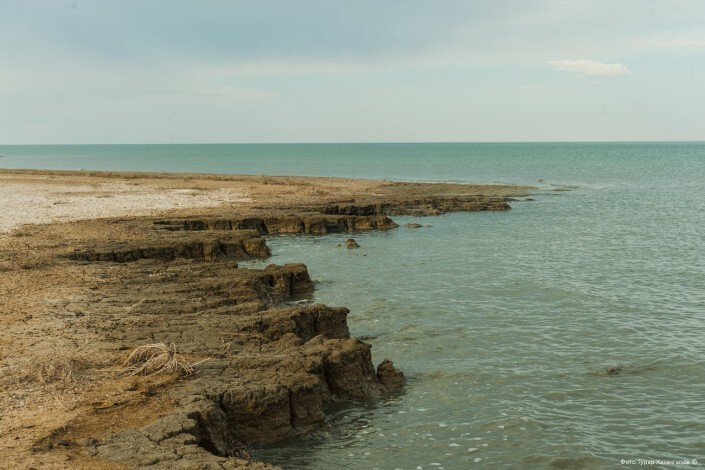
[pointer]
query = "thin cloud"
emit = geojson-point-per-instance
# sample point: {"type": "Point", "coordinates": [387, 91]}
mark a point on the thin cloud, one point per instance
{"type": "Point", "coordinates": [678, 43]}
{"type": "Point", "coordinates": [589, 67]}
{"type": "Point", "coordinates": [537, 86]}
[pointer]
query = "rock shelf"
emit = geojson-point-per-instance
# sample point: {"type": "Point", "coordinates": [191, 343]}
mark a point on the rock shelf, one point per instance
{"type": "Point", "coordinates": [77, 297]}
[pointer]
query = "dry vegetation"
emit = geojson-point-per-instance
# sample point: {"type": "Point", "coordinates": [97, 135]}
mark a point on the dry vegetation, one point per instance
{"type": "Point", "coordinates": [45, 369]}
{"type": "Point", "coordinates": [19, 254]}
{"type": "Point", "coordinates": [153, 359]}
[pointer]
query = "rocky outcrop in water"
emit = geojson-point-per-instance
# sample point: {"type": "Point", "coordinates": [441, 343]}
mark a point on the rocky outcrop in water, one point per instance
{"type": "Point", "coordinates": [317, 224]}
{"type": "Point", "coordinates": [271, 369]}
{"type": "Point", "coordinates": [280, 395]}
{"type": "Point", "coordinates": [341, 218]}
{"type": "Point", "coordinates": [389, 376]}
{"type": "Point", "coordinates": [267, 362]}
{"type": "Point", "coordinates": [423, 206]}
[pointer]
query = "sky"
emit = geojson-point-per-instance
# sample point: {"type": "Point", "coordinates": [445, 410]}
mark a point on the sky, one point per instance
{"type": "Point", "coordinates": [158, 71]}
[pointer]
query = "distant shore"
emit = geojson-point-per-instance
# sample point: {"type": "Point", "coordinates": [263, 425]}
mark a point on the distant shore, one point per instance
{"type": "Point", "coordinates": [95, 265]}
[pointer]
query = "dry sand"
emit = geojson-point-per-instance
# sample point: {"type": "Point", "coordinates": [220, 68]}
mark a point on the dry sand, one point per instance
{"type": "Point", "coordinates": [43, 197]}
{"type": "Point", "coordinates": [41, 200]}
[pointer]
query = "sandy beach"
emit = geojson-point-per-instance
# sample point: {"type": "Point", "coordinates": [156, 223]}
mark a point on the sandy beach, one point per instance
{"type": "Point", "coordinates": [94, 266]}
{"type": "Point", "coordinates": [39, 199]}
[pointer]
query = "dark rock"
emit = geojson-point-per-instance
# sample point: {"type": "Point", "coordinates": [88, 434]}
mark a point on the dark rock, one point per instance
{"type": "Point", "coordinates": [413, 225]}
{"type": "Point", "coordinates": [204, 246]}
{"type": "Point", "coordinates": [389, 376]}
{"type": "Point", "coordinates": [366, 337]}
{"type": "Point", "coordinates": [314, 224]}
{"type": "Point", "coordinates": [197, 437]}
{"type": "Point", "coordinates": [431, 205]}
{"type": "Point", "coordinates": [305, 323]}
{"type": "Point", "coordinates": [349, 372]}
{"type": "Point", "coordinates": [289, 280]}
{"type": "Point", "coordinates": [249, 407]}
{"type": "Point", "coordinates": [351, 243]}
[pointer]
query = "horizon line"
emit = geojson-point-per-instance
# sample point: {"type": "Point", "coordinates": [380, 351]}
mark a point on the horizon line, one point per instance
{"type": "Point", "coordinates": [374, 142]}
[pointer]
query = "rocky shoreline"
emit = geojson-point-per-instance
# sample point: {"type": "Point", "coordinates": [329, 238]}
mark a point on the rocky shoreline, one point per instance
{"type": "Point", "coordinates": [79, 296]}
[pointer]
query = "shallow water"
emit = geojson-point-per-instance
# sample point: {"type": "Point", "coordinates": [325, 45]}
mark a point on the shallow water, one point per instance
{"type": "Point", "coordinates": [505, 328]}
{"type": "Point", "coordinates": [505, 323]}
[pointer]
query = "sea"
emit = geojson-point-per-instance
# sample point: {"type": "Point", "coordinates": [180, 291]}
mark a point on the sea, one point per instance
{"type": "Point", "coordinates": [568, 332]}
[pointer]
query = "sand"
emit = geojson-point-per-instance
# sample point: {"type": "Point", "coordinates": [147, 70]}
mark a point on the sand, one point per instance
{"type": "Point", "coordinates": [39, 200]}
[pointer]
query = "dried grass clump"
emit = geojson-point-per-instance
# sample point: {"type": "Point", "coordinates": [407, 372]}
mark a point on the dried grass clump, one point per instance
{"type": "Point", "coordinates": [153, 359]}
{"type": "Point", "coordinates": [47, 370]}
{"type": "Point", "coordinates": [20, 254]}
{"type": "Point", "coordinates": [318, 191]}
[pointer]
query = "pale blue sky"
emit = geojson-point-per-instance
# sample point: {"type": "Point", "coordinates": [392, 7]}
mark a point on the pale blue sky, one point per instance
{"type": "Point", "coordinates": [153, 71]}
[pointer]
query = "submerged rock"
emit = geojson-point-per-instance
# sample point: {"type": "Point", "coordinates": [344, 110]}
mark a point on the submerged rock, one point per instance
{"type": "Point", "coordinates": [351, 243]}
{"type": "Point", "coordinates": [389, 376]}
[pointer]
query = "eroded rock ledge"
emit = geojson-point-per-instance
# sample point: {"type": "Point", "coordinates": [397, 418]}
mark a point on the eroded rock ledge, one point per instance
{"type": "Point", "coordinates": [267, 364]}
{"type": "Point", "coordinates": [271, 369]}
{"type": "Point", "coordinates": [341, 217]}
{"type": "Point", "coordinates": [243, 244]}
{"type": "Point", "coordinates": [421, 206]}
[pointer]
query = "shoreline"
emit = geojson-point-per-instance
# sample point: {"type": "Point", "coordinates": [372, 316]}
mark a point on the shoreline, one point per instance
{"type": "Point", "coordinates": [78, 296]}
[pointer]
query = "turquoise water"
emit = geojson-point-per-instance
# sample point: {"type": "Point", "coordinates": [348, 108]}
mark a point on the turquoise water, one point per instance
{"type": "Point", "coordinates": [487, 162]}
{"type": "Point", "coordinates": [506, 323]}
